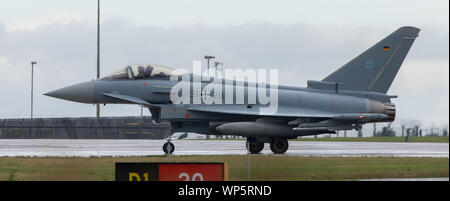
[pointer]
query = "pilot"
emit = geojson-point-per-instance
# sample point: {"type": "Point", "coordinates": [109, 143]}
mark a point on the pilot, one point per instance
{"type": "Point", "coordinates": [141, 72]}
{"type": "Point", "coordinates": [148, 71]}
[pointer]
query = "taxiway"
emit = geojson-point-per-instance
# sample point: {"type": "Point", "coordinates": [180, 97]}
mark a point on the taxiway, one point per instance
{"type": "Point", "coordinates": [122, 148]}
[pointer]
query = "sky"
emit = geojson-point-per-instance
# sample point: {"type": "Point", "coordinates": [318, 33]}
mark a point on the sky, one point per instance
{"type": "Point", "coordinates": [305, 40]}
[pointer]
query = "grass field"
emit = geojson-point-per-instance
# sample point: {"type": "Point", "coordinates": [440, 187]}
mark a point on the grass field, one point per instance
{"type": "Point", "coordinates": [263, 167]}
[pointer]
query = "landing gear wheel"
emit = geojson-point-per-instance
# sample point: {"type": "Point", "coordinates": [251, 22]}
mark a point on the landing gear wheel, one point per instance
{"type": "Point", "coordinates": [255, 147]}
{"type": "Point", "coordinates": [168, 146]}
{"type": "Point", "coordinates": [279, 146]}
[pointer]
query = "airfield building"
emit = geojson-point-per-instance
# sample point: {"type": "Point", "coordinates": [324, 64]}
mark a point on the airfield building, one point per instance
{"type": "Point", "coordinates": [83, 128]}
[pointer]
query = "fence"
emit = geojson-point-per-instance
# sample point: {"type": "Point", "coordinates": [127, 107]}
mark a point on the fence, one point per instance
{"type": "Point", "coordinates": [83, 128]}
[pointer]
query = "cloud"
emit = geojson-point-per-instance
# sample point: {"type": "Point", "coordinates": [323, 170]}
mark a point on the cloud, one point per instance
{"type": "Point", "coordinates": [9, 71]}
{"type": "Point", "coordinates": [423, 90]}
{"type": "Point", "coordinates": [35, 22]}
{"type": "Point", "coordinates": [66, 54]}
{"type": "Point", "coordinates": [421, 76]}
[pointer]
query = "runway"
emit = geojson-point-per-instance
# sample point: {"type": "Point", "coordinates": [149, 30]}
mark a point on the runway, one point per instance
{"type": "Point", "coordinates": [117, 148]}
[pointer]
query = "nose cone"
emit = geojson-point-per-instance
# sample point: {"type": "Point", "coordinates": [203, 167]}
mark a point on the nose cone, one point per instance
{"type": "Point", "coordinates": [82, 92]}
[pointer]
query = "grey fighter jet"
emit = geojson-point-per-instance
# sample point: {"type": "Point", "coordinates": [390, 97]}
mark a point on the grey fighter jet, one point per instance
{"type": "Point", "coordinates": [353, 95]}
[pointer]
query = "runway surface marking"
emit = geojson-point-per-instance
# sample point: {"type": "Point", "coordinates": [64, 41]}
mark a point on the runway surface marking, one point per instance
{"type": "Point", "coordinates": [87, 148]}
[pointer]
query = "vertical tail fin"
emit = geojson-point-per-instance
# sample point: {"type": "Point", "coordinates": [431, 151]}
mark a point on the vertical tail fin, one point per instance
{"type": "Point", "coordinates": [376, 68]}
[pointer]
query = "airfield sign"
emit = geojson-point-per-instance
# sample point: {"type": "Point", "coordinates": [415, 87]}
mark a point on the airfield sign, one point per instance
{"type": "Point", "coordinates": [171, 172]}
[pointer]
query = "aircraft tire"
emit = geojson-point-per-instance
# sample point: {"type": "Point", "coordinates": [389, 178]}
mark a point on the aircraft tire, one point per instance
{"type": "Point", "coordinates": [166, 147]}
{"type": "Point", "coordinates": [255, 147]}
{"type": "Point", "coordinates": [279, 146]}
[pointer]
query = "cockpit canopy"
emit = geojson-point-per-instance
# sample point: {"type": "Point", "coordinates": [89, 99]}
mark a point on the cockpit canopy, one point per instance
{"type": "Point", "coordinates": [145, 71]}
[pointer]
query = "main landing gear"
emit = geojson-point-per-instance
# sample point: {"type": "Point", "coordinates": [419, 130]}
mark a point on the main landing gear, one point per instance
{"type": "Point", "coordinates": [277, 145]}
{"type": "Point", "coordinates": [255, 147]}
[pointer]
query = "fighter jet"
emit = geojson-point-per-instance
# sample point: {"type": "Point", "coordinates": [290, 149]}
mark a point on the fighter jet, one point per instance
{"type": "Point", "coordinates": [351, 96]}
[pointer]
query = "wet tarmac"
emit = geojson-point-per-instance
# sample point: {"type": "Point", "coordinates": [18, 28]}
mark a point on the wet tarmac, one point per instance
{"type": "Point", "coordinates": [87, 148]}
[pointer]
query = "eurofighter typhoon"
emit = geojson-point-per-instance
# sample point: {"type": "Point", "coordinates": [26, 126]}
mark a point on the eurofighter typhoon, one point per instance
{"type": "Point", "coordinates": [353, 95]}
